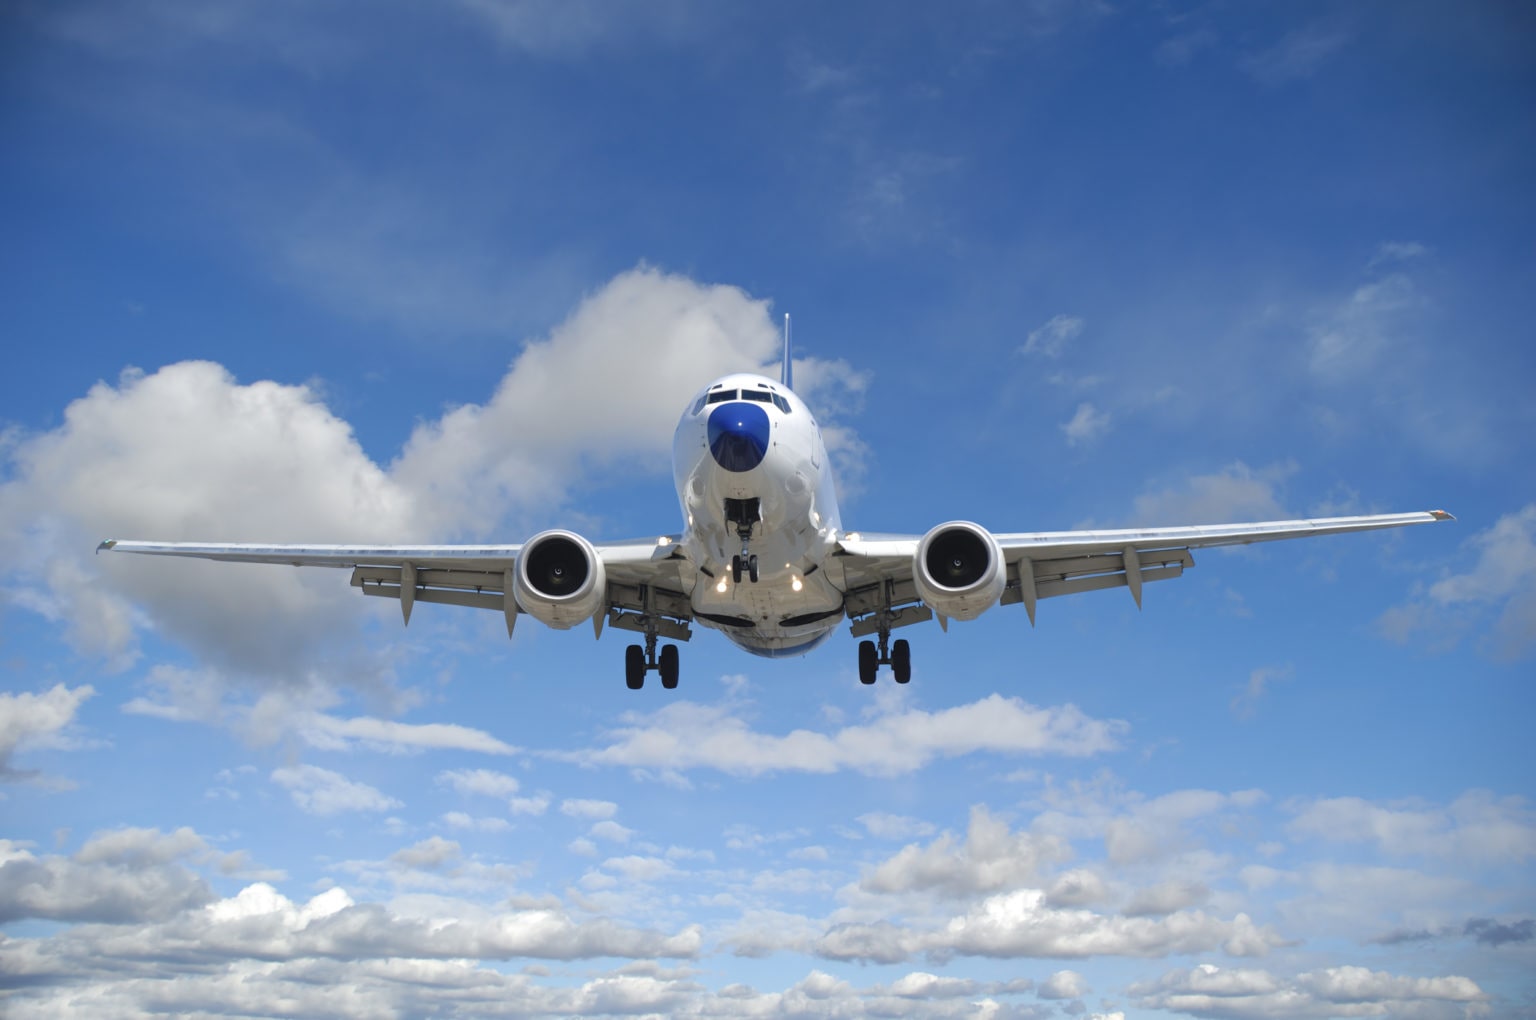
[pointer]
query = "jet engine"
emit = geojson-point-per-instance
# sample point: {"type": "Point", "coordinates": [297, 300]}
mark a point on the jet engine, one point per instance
{"type": "Point", "coordinates": [959, 570]}
{"type": "Point", "coordinates": [559, 579]}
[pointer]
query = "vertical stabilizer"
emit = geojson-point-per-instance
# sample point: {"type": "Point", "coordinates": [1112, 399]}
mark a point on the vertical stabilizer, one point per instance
{"type": "Point", "coordinates": [787, 374]}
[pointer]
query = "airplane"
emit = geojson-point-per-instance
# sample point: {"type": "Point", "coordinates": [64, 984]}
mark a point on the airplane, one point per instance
{"type": "Point", "coordinates": [763, 557]}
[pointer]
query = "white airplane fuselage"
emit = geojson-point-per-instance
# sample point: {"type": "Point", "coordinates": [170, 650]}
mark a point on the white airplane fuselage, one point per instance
{"type": "Point", "coordinates": [752, 478]}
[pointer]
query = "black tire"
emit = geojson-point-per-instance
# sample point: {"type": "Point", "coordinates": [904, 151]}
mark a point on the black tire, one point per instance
{"type": "Point", "coordinates": [634, 667]}
{"type": "Point", "coordinates": [901, 661]}
{"type": "Point", "coordinates": [736, 569]}
{"type": "Point", "coordinates": [752, 567]}
{"type": "Point", "coordinates": [869, 662]}
{"type": "Point", "coordinates": [668, 667]}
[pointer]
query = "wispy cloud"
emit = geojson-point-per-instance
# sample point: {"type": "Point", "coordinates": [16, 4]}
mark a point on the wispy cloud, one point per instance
{"type": "Point", "coordinates": [687, 735]}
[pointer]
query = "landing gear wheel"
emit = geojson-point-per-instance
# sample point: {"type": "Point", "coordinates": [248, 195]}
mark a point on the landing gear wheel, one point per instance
{"type": "Point", "coordinates": [668, 667]}
{"type": "Point", "coordinates": [634, 667]}
{"type": "Point", "coordinates": [901, 661]}
{"type": "Point", "coordinates": [869, 662]}
{"type": "Point", "coordinates": [752, 567]}
{"type": "Point", "coordinates": [736, 569]}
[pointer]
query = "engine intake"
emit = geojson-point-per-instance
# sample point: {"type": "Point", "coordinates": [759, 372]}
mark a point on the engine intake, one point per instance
{"type": "Point", "coordinates": [959, 570]}
{"type": "Point", "coordinates": [559, 579]}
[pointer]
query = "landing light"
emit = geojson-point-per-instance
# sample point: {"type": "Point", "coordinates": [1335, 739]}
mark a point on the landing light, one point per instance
{"type": "Point", "coordinates": [721, 586]}
{"type": "Point", "coordinates": [794, 582]}
{"type": "Point", "coordinates": [663, 542]}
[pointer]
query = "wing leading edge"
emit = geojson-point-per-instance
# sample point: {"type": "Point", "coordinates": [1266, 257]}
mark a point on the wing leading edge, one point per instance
{"type": "Point", "coordinates": [462, 575]}
{"type": "Point", "coordinates": [1045, 564]}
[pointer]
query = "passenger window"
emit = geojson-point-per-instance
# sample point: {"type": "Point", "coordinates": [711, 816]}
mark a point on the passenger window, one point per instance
{"type": "Point", "coordinates": [721, 396]}
{"type": "Point", "coordinates": [757, 395]}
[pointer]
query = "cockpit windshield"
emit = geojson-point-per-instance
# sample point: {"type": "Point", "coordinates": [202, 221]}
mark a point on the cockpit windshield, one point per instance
{"type": "Point", "coordinates": [758, 396]}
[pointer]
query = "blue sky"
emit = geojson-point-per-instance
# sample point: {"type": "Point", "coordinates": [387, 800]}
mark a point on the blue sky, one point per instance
{"type": "Point", "coordinates": [404, 272]}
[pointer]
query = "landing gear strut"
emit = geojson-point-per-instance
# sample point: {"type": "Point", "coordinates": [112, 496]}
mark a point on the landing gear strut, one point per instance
{"type": "Point", "coordinates": [746, 561]}
{"type": "Point", "coordinates": [872, 657]}
{"type": "Point", "coordinates": [743, 513]}
{"type": "Point", "coordinates": [640, 661]}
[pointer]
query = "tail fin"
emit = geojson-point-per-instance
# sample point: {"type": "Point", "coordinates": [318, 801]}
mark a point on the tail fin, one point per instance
{"type": "Point", "coordinates": [788, 372]}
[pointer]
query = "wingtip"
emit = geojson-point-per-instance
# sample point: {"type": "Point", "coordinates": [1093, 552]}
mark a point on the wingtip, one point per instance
{"type": "Point", "coordinates": [109, 543]}
{"type": "Point", "coordinates": [1441, 515]}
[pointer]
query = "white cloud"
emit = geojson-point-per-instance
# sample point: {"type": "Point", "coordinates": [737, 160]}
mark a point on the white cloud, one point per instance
{"type": "Point", "coordinates": [1064, 984]}
{"type": "Point", "coordinates": [477, 461]}
{"type": "Point", "coordinates": [33, 720]}
{"type": "Point", "coordinates": [330, 733]}
{"type": "Point", "coordinates": [117, 877]}
{"type": "Point", "coordinates": [1051, 339]}
{"type": "Point", "coordinates": [611, 831]}
{"type": "Point", "coordinates": [1476, 827]}
{"type": "Point", "coordinates": [463, 820]}
{"type": "Point", "coordinates": [572, 28]}
{"type": "Point", "coordinates": [319, 791]}
{"type": "Point", "coordinates": [480, 781]}
{"type": "Point", "coordinates": [1237, 493]}
{"type": "Point", "coordinates": [528, 805]}
{"type": "Point", "coordinates": [1352, 338]}
{"type": "Point", "coordinates": [429, 854]}
{"type": "Point", "coordinates": [1211, 991]}
{"type": "Point", "coordinates": [595, 809]}
{"type": "Point", "coordinates": [1021, 924]}
{"type": "Point", "coordinates": [989, 859]}
{"type": "Point", "coordinates": [686, 735]}
{"type": "Point", "coordinates": [1297, 56]}
{"type": "Point", "coordinates": [1500, 585]}
{"type": "Point", "coordinates": [1246, 703]}
{"type": "Point", "coordinates": [1086, 425]}
{"type": "Point", "coordinates": [883, 825]}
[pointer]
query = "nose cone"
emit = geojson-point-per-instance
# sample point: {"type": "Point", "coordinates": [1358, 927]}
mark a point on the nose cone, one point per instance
{"type": "Point", "coordinates": [738, 435]}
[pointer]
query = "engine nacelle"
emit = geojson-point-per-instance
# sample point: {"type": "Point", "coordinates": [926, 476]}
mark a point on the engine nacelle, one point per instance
{"type": "Point", "coordinates": [559, 579]}
{"type": "Point", "coordinates": [959, 570]}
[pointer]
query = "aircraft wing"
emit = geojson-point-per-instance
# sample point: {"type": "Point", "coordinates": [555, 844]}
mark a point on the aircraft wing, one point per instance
{"type": "Point", "coordinates": [478, 576]}
{"type": "Point", "coordinates": [1044, 564]}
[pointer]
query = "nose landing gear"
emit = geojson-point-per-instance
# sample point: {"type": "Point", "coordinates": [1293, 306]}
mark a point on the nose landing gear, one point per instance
{"type": "Point", "coordinates": [744, 513]}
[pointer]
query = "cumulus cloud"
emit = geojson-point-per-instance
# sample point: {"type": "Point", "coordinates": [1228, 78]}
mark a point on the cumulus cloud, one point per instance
{"type": "Point", "coordinates": [1246, 994]}
{"type": "Point", "coordinates": [990, 858]}
{"type": "Point", "coordinates": [35, 720]}
{"type": "Point", "coordinates": [1475, 827]}
{"type": "Point", "coordinates": [187, 452]}
{"type": "Point", "coordinates": [117, 877]}
{"type": "Point", "coordinates": [687, 735]}
{"type": "Point", "coordinates": [594, 809]}
{"type": "Point", "coordinates": [479, 781]}
{"type": "Point", "coordinates": [1022, 924]}
{"type": "Point", "coordinates": [1064, 984]}
{"type": "Point", "coordinates": [319, 791]}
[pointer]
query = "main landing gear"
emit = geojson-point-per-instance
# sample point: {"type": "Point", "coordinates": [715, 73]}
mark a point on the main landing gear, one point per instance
{"type": "Point", "coordinates": [872, 657]}
{"type": "Point", "coordinates": [640, 661]}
